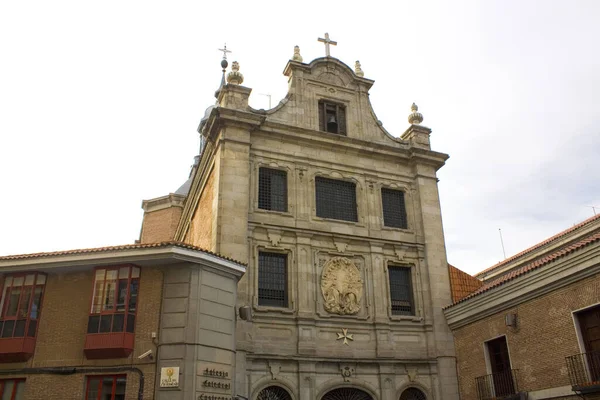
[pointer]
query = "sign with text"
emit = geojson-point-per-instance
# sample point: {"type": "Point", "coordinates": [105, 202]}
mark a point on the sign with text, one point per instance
{"type": "Point", "coordinates": [169, 377]}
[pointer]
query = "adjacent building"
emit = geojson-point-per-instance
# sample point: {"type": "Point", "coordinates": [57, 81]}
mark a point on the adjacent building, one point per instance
{"type": "Point", "coordinates": [531, 330]}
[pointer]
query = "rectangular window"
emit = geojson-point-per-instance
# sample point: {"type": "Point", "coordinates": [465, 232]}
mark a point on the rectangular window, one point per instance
{"type": "Point", "coordinates": [332, 118]}
{"type": "Point", "coordinates": [107, 387]}
{"type": "Point", "coordinates": [272, 279]}
{"type": "Point", "coordinates": [272, 189]}
{"type": "Point", "coordinates": [502, 375]}
{"type": "Point", "coordinates": [336, 199]}
{"type": "Point", "coordinates": [21, 305]}
{"type": "Point", "coordinates": [401, 291]}
{"type": "Point", "coordinates": [114, 300]}
{"type": "Point", "coordinates": [12, 389]}
{"type": "Point", "coordinates": [394, 208]}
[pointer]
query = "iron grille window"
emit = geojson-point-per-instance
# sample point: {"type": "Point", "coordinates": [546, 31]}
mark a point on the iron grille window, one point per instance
{"type": "Point", "coordinates": [394, 208]}
{"type": "Point", "coordinates": [332, 118]}
{"type": "Point", "coordinates": [401, 291]}
{"type": "Point", "coordinates": [272, 189]}
{"type": "Point", "coordinates": [336, 199]}
{"type": "Point", "coordinates": [272, 279]}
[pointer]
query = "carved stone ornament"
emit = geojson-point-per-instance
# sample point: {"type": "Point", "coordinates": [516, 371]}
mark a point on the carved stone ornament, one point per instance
{"type": "Point", "coordinates": [341, 286]}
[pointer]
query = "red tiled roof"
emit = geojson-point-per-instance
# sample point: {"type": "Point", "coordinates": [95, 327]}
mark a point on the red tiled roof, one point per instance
{"type": "Point", "coordinates": [461, 283]}
{"type": "Point", "coordinates": [543, 243]}
{"type": "Point", "coordinates": [501, 280]}
{"type": "Point", "coordinates": [113, 248]}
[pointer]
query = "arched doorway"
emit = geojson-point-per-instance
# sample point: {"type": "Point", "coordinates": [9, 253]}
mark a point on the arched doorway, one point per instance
{"type": "Point", "coordinates": [413, 394]}
{"type": "Point", "coordinates": [273, 393]}
{"type": "Point", "coordinates": [347, 394]}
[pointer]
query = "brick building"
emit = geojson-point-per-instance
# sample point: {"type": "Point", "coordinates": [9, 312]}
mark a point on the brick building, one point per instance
{"type": "Point", "coordinates": [340, 226]}
{"type": "Point", "coordinates": [532, 327]}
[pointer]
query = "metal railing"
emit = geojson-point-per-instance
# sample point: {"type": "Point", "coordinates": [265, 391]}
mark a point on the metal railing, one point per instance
{"type": "Point", "coordinates": [584, 371]}
{"type": "Point", "coordinates": [497, 386]}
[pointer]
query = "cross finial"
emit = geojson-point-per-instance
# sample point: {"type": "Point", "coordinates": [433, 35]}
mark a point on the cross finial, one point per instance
{"type": "Point", "coordinates": [327, 42]}
{"type": "Point", "coordinates": [225, 51]}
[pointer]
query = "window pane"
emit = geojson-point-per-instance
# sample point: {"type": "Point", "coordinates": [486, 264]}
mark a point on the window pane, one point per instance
{"type": "Point", "coordinates": [32, 327]}
{"type": "Point", "coordinates": [133, 290]}
{"type": "Point", "coordinates": [98, 291]}
{"type": "Point", "coordinates": [92, 389]}
{"type": "Point", "coordinates": [37, 298]}
{"type": "Point", "coordinates": [130, 323]}
{"type": "Point", "coordinates": [108, 303]}
{"type": "Point", "coordinates": [24, 306]}
{"type": "Point", "coordinates": [394, 208]}
{"type": "Point", "coordinates": [120, 390]}
{"type": "Point", "coordinates": [336, 199]}
{"type": "Point", "coordinates": [135, 272]}
{"type": "Point", "coordinates": [18, 281]}
{"type": "Point", "coordinates": [20, 328]}
{"type": "Point", "coordinates": [13, 302]}
{"type": "Point", "coordinates": [93, 324]}
{"type": "Point", "coordinates": [118, 322]}
{"type": "Point", "coordinates": [8, 389]}
{"type": "Point", "coordinates": [8, 281]}
{"type": "Point", "coordinates": [272, 279]}
{"type": "Point", "coordinates": [122, 294]}
{"type": "Point", "coordinates": [7, 331]}
{"type": "Point", "coordinates": [29, 279]}
{"type": "Point", "coordinates": [124, 273]}
{"type": "Point", "coordinates": [19, 395]}
{"type": "Point", "coordinates": [400, 291]}
{"type": "Point", "coordinates": [105, 323]}
{"type": "Point", "coordinates": [107, 388]}
{"type": "Point", "coordinates": [41, 279]}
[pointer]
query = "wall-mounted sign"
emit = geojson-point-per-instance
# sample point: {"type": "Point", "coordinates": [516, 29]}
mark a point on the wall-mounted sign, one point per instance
{"type": "Point", "coordinates": [169, 377]}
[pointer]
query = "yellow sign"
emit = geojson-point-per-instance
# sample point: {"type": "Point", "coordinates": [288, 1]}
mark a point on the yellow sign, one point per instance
{"type": "Point", "coordinates": [169, 377]}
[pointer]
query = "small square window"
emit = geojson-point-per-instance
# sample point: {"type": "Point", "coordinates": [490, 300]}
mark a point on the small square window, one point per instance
{"type": "Point", "coordinates": [272, 189]}
{"type": "Point", "coordinates": [336, 199]}
{"type": "Point", "coordinates": [394, 208]}
{"type": "Point", "coordinates": [401, 291]}
{"type": "Point", "coordinates": [332, 118]}
{"type": "Point", "coordinates": [272, 279]}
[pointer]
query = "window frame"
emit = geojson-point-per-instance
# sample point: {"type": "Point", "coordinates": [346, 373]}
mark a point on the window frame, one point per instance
{"type": "Point", "coordinates": [99, 391]}
{"type": "Point", "coordinates": [340, 116]}
{"type": "Point", "coordinates": [322, 178]}
{"type": "Point", "coordinates": [15, 381]}
{"type": "Point", "coordinates": [403, 211]}
{"type": "Point", "coordinates": [285, 194]}
{"type": "Point", "coordinates": [114, 311]}
{"type": "Point", "coordinates": [411, 290]}
{"type": "Point", "coordinates": [286, 284]}
{"type": "Point", "coordinates": [5, 302]}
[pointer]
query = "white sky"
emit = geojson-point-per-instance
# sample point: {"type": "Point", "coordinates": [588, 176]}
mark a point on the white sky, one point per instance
{"type": "Point", "coordinates": [99, 104]}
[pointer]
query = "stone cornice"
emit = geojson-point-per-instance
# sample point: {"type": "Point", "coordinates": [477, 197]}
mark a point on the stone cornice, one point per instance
{"type": "Point", "coordinates": [565, 271]}
{"type": "Point", "coordinates": [160, 203]}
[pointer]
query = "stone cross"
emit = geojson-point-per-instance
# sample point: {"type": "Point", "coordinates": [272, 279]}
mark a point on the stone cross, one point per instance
{"type": "Point", "coordinates": [225, 51]}
{"type": "Point", "coordinates": [327, 42]}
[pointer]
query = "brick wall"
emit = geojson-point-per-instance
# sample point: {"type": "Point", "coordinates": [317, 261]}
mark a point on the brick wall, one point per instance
{"type": "Point", "coordinates": [200, 232]}
{"type": "Point", "coordinates": [545, 335]}
{"type": "Point", "coordinates": [159, 226]}
{"type": "Point", "coordinates": [62, 329]}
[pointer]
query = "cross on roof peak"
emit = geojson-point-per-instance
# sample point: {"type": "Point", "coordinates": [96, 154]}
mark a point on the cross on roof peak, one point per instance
{"type": "Point", "coordinates": [327, 42]}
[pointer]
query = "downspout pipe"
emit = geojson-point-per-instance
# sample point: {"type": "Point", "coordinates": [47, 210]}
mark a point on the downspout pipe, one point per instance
{"type": "Point", "coordinates": [78, 370]}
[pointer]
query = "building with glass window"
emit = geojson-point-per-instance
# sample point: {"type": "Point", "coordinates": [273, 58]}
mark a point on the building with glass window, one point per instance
{"type": "Point", "coordinates": [335, 222]}
{"type": "Point", "coordinates": [531, 328]}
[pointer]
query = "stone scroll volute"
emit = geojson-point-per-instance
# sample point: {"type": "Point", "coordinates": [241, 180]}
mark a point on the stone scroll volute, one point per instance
{"type": "Point", "coordinates": [341, 286]}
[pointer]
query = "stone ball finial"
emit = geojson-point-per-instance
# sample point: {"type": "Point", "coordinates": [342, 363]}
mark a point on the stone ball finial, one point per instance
{"type": "Point", "coordinates": [358, 70]}
{"type": "Point", "coordinates": [415, 117]}
{"type": "Point", "coordinates": [235, 77]}
{"type": "Point", "coordinates": [297, 56]}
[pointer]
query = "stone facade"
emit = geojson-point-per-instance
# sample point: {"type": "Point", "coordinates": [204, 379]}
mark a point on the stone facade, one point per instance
{"type": "Point", "coordinates": [545, 288]}
{"type": "Point", "coordinates": [296, 347]}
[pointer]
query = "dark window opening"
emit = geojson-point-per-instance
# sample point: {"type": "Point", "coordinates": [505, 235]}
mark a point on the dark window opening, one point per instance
{"type": "Point", "coordinates": [336, 199]}
{"type": "Point", "coordinates": [272, 279]}
{"type": "Point", "coordinates": [272, 189]}
{"type": "Point", "coordinates": [401, 295]}
{"type": "Point", "coordinates": [21, 304]}
{"type": "Point", "coordinates": [394, 208]}
{"type": "Point", "coordinates": [332, 118]}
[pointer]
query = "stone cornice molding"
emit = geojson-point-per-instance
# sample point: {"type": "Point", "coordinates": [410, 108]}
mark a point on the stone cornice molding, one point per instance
{"type": "Point", "coordinates": [572, 268]}
{"type": "Point", "coordinates": [160, 203]}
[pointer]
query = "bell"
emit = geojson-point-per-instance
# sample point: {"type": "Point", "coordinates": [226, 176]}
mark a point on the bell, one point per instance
{"type": "Point", "coordinates": [331, 120]}
{"type": "Point", "coordinates": [332, 124]}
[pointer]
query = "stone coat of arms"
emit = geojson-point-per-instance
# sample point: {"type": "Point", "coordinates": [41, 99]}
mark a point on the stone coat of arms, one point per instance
{"type": "Point", "coordinates": [342, 286]}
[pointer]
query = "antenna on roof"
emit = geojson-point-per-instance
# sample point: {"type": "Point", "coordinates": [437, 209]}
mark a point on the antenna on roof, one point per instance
{"type": "Point", "coordinates": [593, 208]}
{"type": "Point", "coordinates": [502, 242]}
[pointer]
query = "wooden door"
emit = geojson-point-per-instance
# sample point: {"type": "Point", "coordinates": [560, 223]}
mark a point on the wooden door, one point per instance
{"type": "Point", "coordinates": [589, 324]}
{"type": "Point", "coordinates": [500, 363]}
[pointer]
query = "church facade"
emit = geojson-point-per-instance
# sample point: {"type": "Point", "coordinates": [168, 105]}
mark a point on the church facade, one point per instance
{"type": "Point", "coordinates": [331, 225]}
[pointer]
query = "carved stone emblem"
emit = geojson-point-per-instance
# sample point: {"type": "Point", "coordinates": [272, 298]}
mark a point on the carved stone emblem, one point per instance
{"type": "Point", "coordinates": [341, 286]}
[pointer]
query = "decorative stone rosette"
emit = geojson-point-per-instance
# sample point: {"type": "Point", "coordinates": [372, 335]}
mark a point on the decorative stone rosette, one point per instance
{"type": "Point", "coordinates": [341, 286]}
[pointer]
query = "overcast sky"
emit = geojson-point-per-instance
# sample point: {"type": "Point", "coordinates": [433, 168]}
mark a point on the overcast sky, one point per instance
{"type": "Point", "coordinates": [100, 101]}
